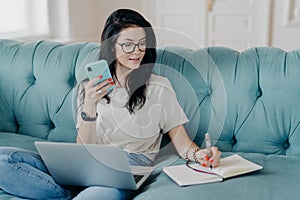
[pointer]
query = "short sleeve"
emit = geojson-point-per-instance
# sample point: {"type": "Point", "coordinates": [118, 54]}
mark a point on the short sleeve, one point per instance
{"type": "Point", "coordinates": [172, 114]}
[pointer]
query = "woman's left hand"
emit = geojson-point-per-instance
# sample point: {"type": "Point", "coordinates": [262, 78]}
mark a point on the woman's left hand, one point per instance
{"type": "Point", "coordinates": [207, 158]}
{"type": "Point", "coordinates": [214, 160]}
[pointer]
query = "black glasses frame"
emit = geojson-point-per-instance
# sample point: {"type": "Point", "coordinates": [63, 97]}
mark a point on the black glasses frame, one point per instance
{"type": "Point", "coordinates": [199, 170]}
{"type": "Point", "coordinates": [133, 48]}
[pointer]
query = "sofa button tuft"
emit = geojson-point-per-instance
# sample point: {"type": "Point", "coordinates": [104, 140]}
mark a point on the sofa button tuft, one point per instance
{"type": "Point", "coordinates": [286, 145]}
{"type": "Point", "coordinates": [258, 93]}
{"type": "Point", "coordinates": [32, 80]}
{"type": "Point", "coordinates": [208, 91]}
{"type": "Point", "coordinates": [51, 125]}
{"type": "Point", "coordinates": [72, 82]}
{"type": "Point", "coordinates": [233, 141]}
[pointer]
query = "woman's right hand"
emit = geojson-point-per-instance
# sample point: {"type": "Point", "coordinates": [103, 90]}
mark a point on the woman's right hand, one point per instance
{"type": "Point", "coordinates": [93, 93]}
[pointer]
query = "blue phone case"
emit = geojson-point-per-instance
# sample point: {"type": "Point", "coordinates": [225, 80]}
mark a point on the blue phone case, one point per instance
{"type": "Point", "coordinates": [98, 68]}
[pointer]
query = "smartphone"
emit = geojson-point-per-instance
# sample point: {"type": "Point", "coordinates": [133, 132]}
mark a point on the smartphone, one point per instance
{"type": "Point", "coordinates": [98, 68]}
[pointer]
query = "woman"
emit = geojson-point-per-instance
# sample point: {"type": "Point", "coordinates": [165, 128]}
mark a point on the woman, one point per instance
{"type": "Point", "coordinates": [128, 44]}
{"type": "Point", "coordinates": [133, 116]}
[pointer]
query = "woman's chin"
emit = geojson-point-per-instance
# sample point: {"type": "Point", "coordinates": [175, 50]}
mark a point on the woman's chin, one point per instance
{"type": "Point", "coordinates": [133, 65]}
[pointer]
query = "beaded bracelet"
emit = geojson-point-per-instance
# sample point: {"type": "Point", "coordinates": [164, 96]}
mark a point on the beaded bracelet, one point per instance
{"type": "Point", "coordinates": [187, 155]}
{"type": "Point", "coordinates": [194, 155]}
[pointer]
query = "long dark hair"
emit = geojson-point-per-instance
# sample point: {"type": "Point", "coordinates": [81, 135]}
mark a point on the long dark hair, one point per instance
{"type": "Point", "coordinates": [137, 79]}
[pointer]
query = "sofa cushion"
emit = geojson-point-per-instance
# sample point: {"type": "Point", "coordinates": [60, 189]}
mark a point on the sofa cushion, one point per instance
{"type": "Point", "coordinates": [268, 183]}
{"type": "Point", "coordinates": [18, 140]}
{"type": "Point", "coordinates": [248, 101]}
{"type": "Point", "coordinates": [6, 115]}
{"type": "Point", "coordinates": [36, 85]}
{"type": "Point", "coordinates": [245, 100]}
{"type": "Point", "coordinates": [5, 196]}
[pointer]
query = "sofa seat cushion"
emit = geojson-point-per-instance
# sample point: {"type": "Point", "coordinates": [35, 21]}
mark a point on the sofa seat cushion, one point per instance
{"type": "Point", "coordinates": [18, 140]}
{"type": "Point", "coordinates": [277, 180]}
{"type": "Point", "coordinates": [5, 196]}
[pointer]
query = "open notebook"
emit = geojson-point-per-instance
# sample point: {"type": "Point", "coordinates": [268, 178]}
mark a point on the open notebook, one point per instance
{"type": "Point", "coordinates": [195, 174]}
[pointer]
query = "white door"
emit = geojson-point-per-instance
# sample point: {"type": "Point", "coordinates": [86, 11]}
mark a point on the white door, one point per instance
{"type": "Point", "coordinates": [286, 24]}
{"type": "Point", "coordinates": [177, 22]}
{"type": "Point", "coordinates": [237, 24]}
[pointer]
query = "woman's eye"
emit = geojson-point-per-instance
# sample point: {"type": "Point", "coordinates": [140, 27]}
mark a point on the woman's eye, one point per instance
{"type": "Point", "coordinates": [127, 44]}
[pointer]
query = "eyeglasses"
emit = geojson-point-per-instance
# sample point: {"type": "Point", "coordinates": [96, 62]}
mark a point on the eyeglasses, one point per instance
{"type": "Point", "coordinates": [200, 170]}
{"type": "Point", "coordinates": [129, 47]}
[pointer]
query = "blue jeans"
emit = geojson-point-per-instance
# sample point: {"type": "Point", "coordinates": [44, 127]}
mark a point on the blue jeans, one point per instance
{"type": "Point", "coordinates": [23, 174]}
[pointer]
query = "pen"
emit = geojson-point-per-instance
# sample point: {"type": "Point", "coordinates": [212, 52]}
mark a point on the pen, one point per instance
{"type": "Point", "coordinates": [208, 146]}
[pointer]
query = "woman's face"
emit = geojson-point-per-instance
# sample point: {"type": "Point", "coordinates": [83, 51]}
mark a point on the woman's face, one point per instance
{"type": "Point", "coordinates": [130, 48]}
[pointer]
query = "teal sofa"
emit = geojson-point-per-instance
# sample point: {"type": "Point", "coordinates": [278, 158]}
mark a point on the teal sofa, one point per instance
{"type": "Point", "coordinates": [248, 101]}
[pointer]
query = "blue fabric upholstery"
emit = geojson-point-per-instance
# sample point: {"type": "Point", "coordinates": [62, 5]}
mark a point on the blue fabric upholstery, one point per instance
{"type": "Point", "coordinates": [278, 180]}
{"type": "Point", "coordinates": [36, 83]}
{"type": "Point", "coordinates": [248, 101]}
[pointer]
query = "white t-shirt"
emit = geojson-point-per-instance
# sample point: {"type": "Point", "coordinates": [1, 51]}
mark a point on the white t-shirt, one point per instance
{"type": "Point", "coordinates": [140, 132]}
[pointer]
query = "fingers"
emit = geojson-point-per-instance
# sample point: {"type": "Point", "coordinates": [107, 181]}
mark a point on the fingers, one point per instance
{"type": "Point", "coordinates": [203, 157]}
{"type": "Point", "coordinates": [209, 158]}
{"type": "Point", "coordinates": [102, 91]}
{"type": "Point", "coordinates": [216, 156]}
{"type": "Point", "coordinates": [98, 82]}
{"type": "Point", "coordinates": [95, 90]}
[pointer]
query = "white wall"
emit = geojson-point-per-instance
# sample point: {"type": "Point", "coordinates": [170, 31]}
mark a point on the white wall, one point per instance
{"type": "Point", "coordinates": [87, 18]}
{"type": "Point", "coordinates": [83, 20]}
{"type": "Point", "coordinates": [286, 24]}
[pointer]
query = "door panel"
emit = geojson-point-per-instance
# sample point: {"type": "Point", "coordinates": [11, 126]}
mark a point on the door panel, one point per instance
{"type": "Point", "coordinates": [237, 24]}
{"type": "Point", "coordinates": [286, 24]}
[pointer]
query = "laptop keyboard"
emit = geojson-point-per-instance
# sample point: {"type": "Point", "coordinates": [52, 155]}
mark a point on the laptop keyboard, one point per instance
{"type": "Point", "coordinates": [137, 178]}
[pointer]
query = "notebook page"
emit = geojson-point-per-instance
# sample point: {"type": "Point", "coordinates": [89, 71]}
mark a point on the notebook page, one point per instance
{"type": "Point", "coordinates": [235, 165]}
{"type": "Point", "coordinates": [183, 175]}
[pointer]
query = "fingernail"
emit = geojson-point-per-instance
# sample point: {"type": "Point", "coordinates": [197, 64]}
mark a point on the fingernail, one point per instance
{"type": "Point", "coordinates": [206, 158]}
{"type": "Point", "coordinates": [100, 76]}
{"type": "Point", "coordinates": [203, 165]}
{"type": "Point", "coordinates": [112, 83]}
{"type": "Point", "coordinates": [110, 79]}
{"type": "Point", "coordinates": [211, 161]}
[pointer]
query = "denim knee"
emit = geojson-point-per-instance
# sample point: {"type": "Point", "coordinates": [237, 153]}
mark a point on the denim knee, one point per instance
{"type": "Point", "coordinates": [5, 161]}
{"type": "Point", "coordinates": [26, 175]}
{"type": "Point", "coordinates": [98, 192]}
{"type": "Point", "coordinates": [15, 155]}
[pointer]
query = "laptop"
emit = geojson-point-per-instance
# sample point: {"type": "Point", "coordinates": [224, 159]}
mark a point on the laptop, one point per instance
{"type": "Point", "coordinates": [91, 165]}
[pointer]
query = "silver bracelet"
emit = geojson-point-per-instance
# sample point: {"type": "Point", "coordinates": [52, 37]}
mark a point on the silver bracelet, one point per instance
{"type": "Point", "coordinates": [86, 117]}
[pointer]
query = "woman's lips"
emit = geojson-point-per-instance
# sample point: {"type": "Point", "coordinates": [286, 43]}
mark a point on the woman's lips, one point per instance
{"type": "Point", "coordinates": [134, 59]}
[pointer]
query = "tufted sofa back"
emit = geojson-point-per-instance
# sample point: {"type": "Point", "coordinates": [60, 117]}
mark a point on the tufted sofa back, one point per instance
{"type": "Point", "coordinates": [248, 101]}
{"type": "Point", "coordinates": [36, 84]}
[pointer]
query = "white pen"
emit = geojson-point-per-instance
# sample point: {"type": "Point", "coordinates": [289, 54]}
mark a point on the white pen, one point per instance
{"type": "Point", "coordinates": [208, 146]}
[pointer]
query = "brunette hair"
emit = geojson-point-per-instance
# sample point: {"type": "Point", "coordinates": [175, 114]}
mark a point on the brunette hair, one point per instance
{"type": "Point", "coordinates": [136, 81]}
